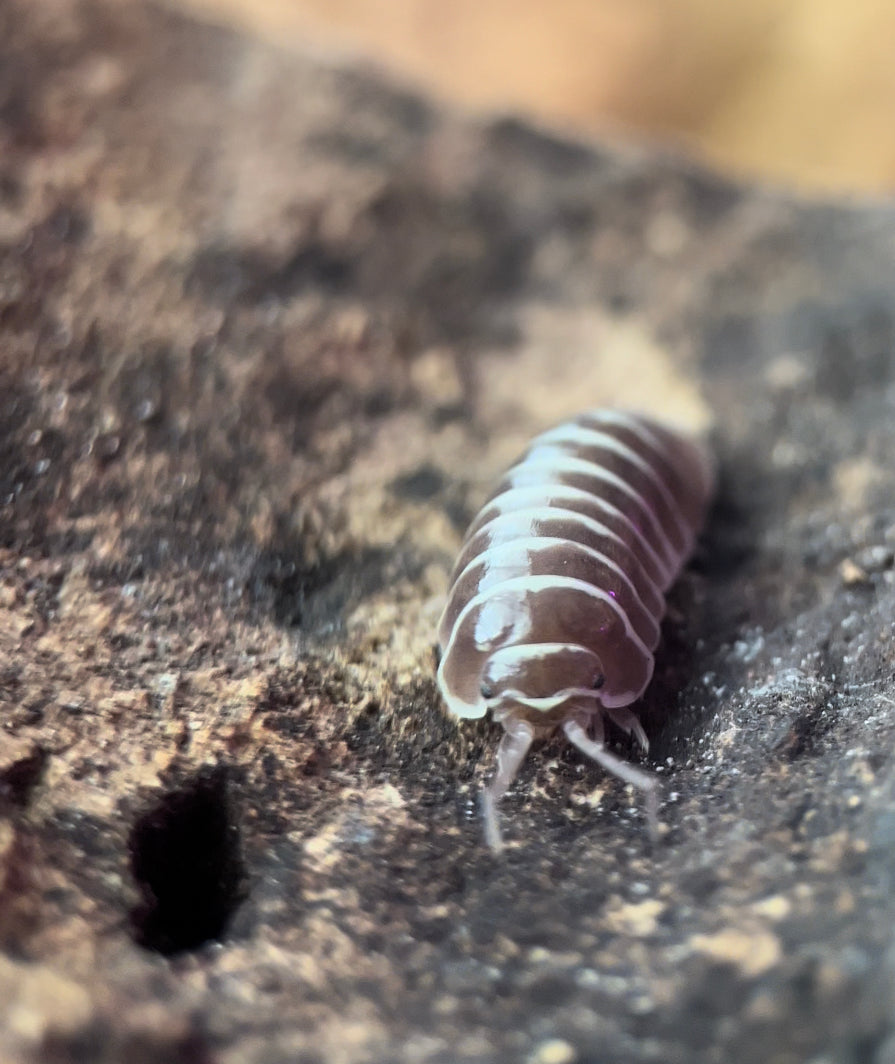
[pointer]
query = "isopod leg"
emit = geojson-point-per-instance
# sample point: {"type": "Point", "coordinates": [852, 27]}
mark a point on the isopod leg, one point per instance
{"type": "Point", "coordinates": [518, 737]}
{"type": "Point", "coordinates": [577, 735]}
{"type": "Point", "coordinates": [628, 722]}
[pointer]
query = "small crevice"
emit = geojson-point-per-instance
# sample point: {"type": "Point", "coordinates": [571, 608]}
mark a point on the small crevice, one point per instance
{"type": "Point", "coordinates": [186, 856]}
{"type": "Point", "coordinates": [18, 780]}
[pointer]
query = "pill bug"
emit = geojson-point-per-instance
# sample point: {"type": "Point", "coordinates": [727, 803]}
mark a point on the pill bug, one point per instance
{"type": "Point", "coordinates": [555, 600]}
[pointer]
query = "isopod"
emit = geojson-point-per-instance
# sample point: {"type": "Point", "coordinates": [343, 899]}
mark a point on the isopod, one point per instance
{"type": "Point", "coordinates": [555, 601]}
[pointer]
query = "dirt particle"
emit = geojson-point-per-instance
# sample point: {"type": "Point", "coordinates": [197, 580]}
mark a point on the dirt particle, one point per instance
{"type": "Point", "coordinates": [554, 1051]}
{"type": "Point", "coordinates": [752, 951]}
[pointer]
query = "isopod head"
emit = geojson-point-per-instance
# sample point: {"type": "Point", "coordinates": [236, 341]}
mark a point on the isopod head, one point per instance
{"type": "Point", "coordinates": [540, 677]}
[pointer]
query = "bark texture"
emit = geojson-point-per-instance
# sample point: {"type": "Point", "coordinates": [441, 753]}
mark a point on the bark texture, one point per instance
{"type": "Point", "coordinates": [269, 328]}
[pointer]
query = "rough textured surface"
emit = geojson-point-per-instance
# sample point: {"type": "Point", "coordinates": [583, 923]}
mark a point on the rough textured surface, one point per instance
{"type": "Point", "coordinates": [267, 331]}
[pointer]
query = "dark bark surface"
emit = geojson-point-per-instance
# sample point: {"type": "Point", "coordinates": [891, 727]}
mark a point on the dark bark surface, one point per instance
{"type": "Point", "coordinates": [268, 329]}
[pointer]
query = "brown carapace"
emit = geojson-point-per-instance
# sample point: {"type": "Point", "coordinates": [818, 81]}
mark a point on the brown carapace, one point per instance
{"type": "Point", "coordinates": [556, 598]}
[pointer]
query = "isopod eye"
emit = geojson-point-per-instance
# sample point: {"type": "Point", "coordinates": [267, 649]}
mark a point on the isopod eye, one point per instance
{"type": "Point", "coordinates": [598, 682]}
{"type": "Point", "coordinates": [486, 691]}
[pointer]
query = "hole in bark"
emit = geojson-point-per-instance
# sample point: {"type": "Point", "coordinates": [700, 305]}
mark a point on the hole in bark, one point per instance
{"type": "Point", "coordinates": [422, 484]}
{"type": "Point", "coordinates": [186, 856]}
{"type": "Point", "coordinates": [19, 779]}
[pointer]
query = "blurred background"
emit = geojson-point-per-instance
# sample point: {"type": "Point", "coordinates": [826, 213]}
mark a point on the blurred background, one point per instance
{"type": "Point", "coordinates": [798, 92]}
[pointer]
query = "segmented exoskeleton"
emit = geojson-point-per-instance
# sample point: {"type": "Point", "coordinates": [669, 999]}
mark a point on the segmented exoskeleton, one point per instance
{"type": "Point", "coordinates": [556, 598]}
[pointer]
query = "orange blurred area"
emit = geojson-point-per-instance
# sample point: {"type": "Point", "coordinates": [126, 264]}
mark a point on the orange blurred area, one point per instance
{"type": "Point", "coordinates": [799, 92]}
